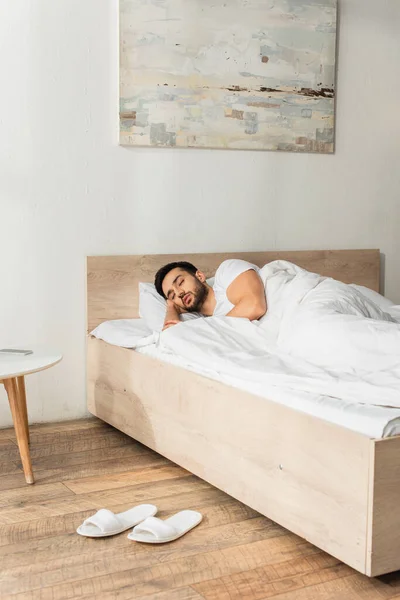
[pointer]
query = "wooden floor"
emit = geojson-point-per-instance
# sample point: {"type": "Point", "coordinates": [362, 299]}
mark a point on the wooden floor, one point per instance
{"type": "Point", "coordinates": [81, 466]}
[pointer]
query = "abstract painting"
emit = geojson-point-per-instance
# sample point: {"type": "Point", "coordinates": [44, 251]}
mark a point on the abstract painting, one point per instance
{"type": "Point", "coordinates": [234, 74]}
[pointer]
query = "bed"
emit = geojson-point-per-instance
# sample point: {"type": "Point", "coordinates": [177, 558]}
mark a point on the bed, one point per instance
{"type": "Point", "coordinates": [337, 488]}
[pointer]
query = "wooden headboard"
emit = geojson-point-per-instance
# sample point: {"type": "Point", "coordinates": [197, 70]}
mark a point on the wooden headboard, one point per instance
{"type": "Point", "coordinates": [112, 281]}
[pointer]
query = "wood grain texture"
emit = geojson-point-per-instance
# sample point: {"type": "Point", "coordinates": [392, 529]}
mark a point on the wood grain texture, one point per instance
{"type": "Point", "coordinates": [34, 494]}
{"type": "Point", "coordinates": [181, 594]}
{"type": "Point", "coordinates": [344, 588]}
{"type": "Point", "coordinates": [301, 477]}
{"type": "Point", "coordinates": [384, 514]}
{"type": "Point", "coordinates": [235, 554]}
{"type": "Point", "coordinates": [220, 513]}
{"type": "Point", "coordinates": [60, 519]}
{"type": "Point", "coordinates": [8, 450]}
{"type": "Point", "coordinates": [144, 574]}
{"type": "Point", "coordinates": [24, 408]}
{"type": "Point", "coordinates": [65, 473]}
{"type": "Point", "coordinates": [122, 557]}
{"type": "Point", "coordinates": [110, 482]}
{"type": "Point", "coordinates": [7, 435]}
{"type": "Point", "coordinates": [272, 580]}
{"type": "Point", "coordinates": [112, 281]}
{"type": "Point", "coordinates": [15, 388]}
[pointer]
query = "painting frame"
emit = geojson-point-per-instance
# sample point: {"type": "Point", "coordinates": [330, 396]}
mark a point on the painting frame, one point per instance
{"type": "Point", "coordinates": [177, 90]}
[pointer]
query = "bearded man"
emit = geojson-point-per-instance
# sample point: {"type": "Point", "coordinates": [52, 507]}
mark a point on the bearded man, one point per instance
{"type": "Point", "coordinates": [237, 291]}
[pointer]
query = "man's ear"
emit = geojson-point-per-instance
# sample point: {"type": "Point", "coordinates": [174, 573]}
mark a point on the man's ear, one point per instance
{"type": "Point", "coordinates": [200, 276]}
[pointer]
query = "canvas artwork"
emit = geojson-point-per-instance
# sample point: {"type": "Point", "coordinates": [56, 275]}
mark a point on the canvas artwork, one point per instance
{"type": "Point", "coordinates": [234, 74]}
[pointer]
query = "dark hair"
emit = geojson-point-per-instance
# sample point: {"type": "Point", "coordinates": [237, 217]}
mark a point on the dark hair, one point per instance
{"type": "Point", "coordinates": [161, 273]}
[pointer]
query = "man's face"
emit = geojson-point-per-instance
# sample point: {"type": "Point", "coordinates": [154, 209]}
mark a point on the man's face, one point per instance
{"type": "Point", "coordinates": [186, 291]}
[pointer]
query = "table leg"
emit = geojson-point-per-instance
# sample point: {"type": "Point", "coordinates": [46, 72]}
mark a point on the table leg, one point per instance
{"type": "Point", "coordinates": [22, 396]}
{"type": "Point", "coordinates": [19, 414]}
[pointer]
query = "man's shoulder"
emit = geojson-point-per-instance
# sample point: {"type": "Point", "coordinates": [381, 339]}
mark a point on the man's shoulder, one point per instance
{"type": "Point", "coordinates": [228, 264]}
{"type": "Point", "coordinates": [231, 268]}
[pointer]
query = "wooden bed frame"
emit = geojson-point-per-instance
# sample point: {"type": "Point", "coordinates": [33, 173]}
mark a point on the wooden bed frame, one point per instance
{"type": "Point", "coordinates": [338, 489]}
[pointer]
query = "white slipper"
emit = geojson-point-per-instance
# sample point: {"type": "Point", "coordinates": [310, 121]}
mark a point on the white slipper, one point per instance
{"type": "Point", "coordinates": [157, 531]}
{"type": "Point", "coordinates": [105, 522]}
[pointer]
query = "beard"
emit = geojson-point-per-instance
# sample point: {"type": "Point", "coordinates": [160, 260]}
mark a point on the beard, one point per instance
{"type": "Point", "coordinates": [200, 294]}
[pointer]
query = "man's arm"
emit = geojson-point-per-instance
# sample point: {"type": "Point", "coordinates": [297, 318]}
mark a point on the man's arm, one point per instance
{"type": "Point", "coordinates": [247, 293]}
{"type": "Point", "coordinates": [171, 316]}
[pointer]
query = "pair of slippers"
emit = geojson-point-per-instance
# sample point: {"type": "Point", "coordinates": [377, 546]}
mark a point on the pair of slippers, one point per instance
{"type": "Point", "coordinates": [146, 527]}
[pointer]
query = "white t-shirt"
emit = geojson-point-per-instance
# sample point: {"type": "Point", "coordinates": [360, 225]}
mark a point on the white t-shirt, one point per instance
{"type": "Point", "coordinates": [224, 276]}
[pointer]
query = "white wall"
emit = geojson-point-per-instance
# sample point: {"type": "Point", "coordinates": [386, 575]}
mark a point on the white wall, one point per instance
{"type": "Point", "coordinates": [68, 190]}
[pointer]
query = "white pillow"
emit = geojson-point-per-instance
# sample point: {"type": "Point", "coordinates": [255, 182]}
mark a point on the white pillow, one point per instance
{"type": "Point", "coordinates": [383, 303]}
{"type": "Point", "coordinates": [152, 306]}
{"type": "Point", "coordinates": [122, 332]}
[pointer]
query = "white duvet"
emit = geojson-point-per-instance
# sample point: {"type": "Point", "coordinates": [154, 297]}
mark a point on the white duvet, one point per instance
{"type": "Point", "coordinates": [331, 324]}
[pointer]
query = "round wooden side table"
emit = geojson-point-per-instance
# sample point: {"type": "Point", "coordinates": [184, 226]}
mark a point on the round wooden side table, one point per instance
{"type": "Point", "coordinates": [13, 369]}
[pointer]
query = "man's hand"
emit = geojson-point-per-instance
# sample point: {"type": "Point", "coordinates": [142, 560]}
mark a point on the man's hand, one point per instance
{"type": "Point", "coordinates": [172, 306]}
{"type": "Point", "coordinates": [172, 315]}
{"type": "Point", "coordinates": [169, 324]}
